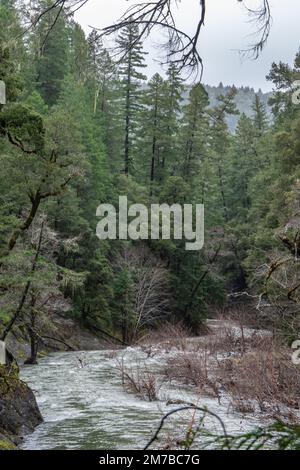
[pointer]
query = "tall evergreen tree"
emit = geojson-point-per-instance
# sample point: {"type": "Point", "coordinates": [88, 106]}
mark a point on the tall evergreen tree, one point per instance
{"type": "Point", "coordinates": [194, 132]}
{"type": "Point", "coordinates": [260, 116]}
{"type": "Point", "coordinates": [131, 79]}
{"type": "Point", "coordinates": [153, 129]}
{"type": "Point", "coordinates": [51, 47]}
{"type": "Point", "coordinates": [220, 143]}
{"type": "Point", "coordinates": [102, 72]}
{"type": "Point", "coordinates": [78, 53]}
{"type": "Point", "coordinates": [173, 100]}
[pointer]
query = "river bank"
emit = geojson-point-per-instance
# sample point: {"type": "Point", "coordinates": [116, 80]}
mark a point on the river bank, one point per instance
{"type": "Point", "coordinates": [59, 334]}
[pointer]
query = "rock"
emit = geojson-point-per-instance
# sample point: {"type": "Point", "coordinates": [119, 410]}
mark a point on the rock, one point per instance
{"type": "Point", "coordinates": [19, 413]}
{"type": "Point", "coordinates": [179, 402]}
{"type": "Point", "coordinates": [31, 361]}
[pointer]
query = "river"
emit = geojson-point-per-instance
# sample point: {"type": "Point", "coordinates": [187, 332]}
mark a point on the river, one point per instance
{"type": "Point", "coordinates": [84, 406]}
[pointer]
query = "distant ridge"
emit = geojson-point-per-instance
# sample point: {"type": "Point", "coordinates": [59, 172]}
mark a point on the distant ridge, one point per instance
{"type": "Point", "coordinates": [244, 100]}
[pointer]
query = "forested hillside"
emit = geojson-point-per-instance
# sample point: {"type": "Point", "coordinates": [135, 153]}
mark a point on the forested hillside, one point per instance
{"type": "Point", "coordinates": [244, 99]}
{"type": "Point", "coordinates": [79, 129]}
{"type": "Point", "coordinates": [97, 326]}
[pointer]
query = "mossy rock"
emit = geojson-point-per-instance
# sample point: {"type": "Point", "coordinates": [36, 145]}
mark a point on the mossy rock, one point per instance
{"type": "Point", "coordinates": [9, 381]}
{"type": "Point", "coordinates": [7, 445]}
{"type": "Point", "coordinates": [19, 411]}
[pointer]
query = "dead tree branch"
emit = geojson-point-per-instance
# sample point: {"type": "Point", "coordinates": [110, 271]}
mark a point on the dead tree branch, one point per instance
{"type": "Point", "coordinates": [185, 408]}
{"type": "Point", "coordinates": [181, 48]}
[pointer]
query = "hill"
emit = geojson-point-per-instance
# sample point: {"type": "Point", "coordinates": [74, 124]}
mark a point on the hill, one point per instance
{"type": "Point", "coordinates": [244, 100]}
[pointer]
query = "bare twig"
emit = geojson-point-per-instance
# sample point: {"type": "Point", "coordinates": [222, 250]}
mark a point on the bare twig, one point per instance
{"type": "Point", "coordinates": [181, 47]}
{"type": "Point", "coordinates": [205, 411]}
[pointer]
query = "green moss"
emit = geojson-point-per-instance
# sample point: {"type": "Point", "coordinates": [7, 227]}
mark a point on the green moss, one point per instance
{"type": "Point", "coordinates": [6, 445]}
{"type": "Point", "coordinates": [9, 381]}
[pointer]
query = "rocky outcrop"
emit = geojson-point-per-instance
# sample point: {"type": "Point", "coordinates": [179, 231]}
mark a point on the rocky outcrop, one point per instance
{"type": "Point", "coordinates": [19, 413]}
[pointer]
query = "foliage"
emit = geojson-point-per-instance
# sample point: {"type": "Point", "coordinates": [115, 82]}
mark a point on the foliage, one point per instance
{"type": "Point", "coordinates": [80, 129]}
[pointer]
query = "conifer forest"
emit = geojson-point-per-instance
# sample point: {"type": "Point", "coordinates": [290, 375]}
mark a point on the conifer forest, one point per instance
{"type": "Point", "coordinates": [149, 230]}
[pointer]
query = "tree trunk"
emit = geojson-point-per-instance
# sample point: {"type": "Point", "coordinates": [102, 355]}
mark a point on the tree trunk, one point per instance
{"type": "Point", "coordinates": [32, 335]}
{"type": "Point", "coordinates": [35, 202]}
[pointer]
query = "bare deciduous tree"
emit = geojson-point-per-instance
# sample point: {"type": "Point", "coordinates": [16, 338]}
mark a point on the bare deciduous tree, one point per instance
{"type": "Point", "coordinates": [150, 293]}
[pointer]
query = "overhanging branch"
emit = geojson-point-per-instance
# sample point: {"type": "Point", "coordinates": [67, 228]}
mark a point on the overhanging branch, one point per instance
{"type": "Point", "coordinates": [181, 48]}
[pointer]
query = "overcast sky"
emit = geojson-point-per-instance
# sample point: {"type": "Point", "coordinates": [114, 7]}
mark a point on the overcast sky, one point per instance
{"type": "Point", "coordinates": [227, 29]}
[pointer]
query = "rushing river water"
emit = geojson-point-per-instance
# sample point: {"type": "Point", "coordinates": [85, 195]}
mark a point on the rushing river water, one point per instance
{"type": "Point", "coordinates": [84, 405]}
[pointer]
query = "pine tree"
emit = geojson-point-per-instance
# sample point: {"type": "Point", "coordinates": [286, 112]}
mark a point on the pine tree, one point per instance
{"type": "Point", "coordinates": [220, 156]}
{"type": "Point", "coordinates": [174, 92]}
{"type": "Point", "coordinates": [242, 165]}
{"type": "Point", "coordinates": [260, 116]}
{"type": "Point", "coordinates": [79, 53]}
{"type": "Point", "coordinates": [194, 132]}
{"type": "Point", "coordinates": [102, 72]}
{"type": "Point", "coordinates": [153, 130]}
{"type": "Point", "coordinates": [51, 49]}
{"type": "Point", "coordinates": [131, 79]}
{"type": "Point", "coordinates": [283, 77]}
{"type": "Point", "coordinates": [220, 143]}
{"type": "Point", "coordinates": [11, 50]}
